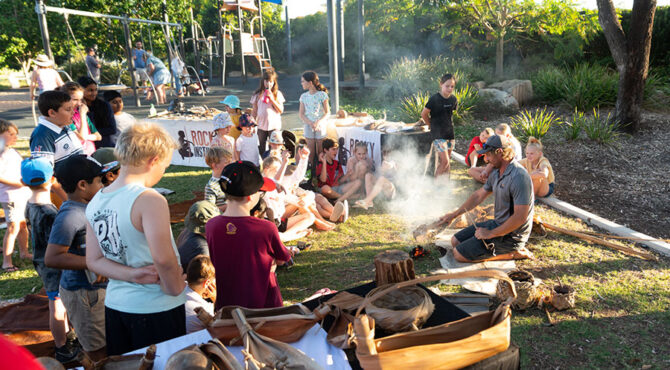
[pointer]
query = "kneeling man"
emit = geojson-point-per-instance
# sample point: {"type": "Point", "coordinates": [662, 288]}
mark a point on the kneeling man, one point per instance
{"type": "Point", "coordinates": [504, 237]}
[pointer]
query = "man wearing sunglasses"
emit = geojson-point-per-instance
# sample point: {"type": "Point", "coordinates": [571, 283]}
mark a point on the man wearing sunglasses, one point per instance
{"type": "Point", "coordinates": [504, 237]}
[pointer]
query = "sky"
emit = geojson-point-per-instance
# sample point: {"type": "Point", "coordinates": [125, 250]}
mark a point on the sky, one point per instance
{"type": "Point", "coordinates": [301, 8]}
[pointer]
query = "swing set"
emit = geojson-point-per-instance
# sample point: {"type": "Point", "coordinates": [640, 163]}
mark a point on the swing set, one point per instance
{"type": "Point", "coordinates": [174, 49]}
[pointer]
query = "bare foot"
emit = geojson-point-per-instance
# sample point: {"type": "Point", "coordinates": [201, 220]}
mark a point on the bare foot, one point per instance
{"type": "Point", "coordinates": [522, 254]}
{"type": "Point", "coordinates": [26, 256]}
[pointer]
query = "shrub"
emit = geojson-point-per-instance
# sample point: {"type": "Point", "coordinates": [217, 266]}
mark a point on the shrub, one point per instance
{"type": "Point", "coordinates": [548, 84]}
{"type": "Point", "coordinates": [468, 97]}
{"type": "Point", "coordinates": [572, 128]}
{"type": "Point", "coordinates": [535, 123]}
{"type": "Point", "coordinates": [602, 130]}
{"type": "Point", "coordinates": [584, 87]}
{"type": "Point", "coordinates": [411, 107]}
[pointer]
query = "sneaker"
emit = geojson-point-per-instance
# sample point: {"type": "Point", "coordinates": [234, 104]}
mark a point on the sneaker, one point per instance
{"type": "Point", "coordinates": [345, 215]}
{"type": "Point", "coordinates": [337, 212]}
{"type": "Point", "coordinates": [66, 353]}
{"type": "Point", "coordinates": [72, 341]}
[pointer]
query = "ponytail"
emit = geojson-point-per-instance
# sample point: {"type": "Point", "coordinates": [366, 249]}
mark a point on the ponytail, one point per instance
{"type": "Point", "coordinates": [535, 143]}
{"type": "Point", "coordinates": [311, 76]}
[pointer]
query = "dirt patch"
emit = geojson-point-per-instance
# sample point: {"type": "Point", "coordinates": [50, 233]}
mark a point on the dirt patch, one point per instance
{"type": "Point", "coordinates": [628, 182]}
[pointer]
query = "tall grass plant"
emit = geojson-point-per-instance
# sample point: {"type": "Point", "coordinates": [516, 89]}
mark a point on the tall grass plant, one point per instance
{"type": "Point", "coordinates": [411, 107]}
{"type": "Point", "coordinates": [601, 129]}
{"type": "Point", "coordinates": [534, 123]}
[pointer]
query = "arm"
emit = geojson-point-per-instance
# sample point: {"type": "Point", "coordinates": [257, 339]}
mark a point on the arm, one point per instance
{"type": "Point", "coordinates": [425, 114]}
{"type": "Point", "coordinates": [97, 263]}
{"type": "Point", "coordinates": [59, 80]}
{"type": "Point", "coordinates": [299, 173]}
{"type": "Point", "coordinates": [303, 117]}
{"type": "Point", "coordinates": [323, 176]}
{"type": "Point", "coordinates": [10, 182]}
{"type": "Point", "coordinates": [254, 105]}
{"type": "Point", "coordinates": [513, 222]}
{"type": "Point", "coordinates": [276, 104]}
{"type": "Point", "coordinates": [154, 217]}
{"type": "Point", "coordinates": [57, 256]}
{"type": "Point", "coordinates": [351, 166]}
{"type": "Point", "coordinates": [473, 201]}
{"type": "Point", "coordinates": [282, 168]}
{"type": "Point", "coordinates": [326, 113]}
{"type": "Point", "coordinates": [33, 84]}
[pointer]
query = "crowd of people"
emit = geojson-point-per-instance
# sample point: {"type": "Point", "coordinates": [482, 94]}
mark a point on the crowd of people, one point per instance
{"type": "Point", "coordinates": [101, 236]}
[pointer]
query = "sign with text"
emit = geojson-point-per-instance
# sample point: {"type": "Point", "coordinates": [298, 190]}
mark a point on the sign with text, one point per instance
{"type": "Point", "coordinates": [193, 138]}
{"type": "Point", "coordinates": [350, 136]}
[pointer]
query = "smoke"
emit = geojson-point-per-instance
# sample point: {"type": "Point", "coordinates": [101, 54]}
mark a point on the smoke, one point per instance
{"type": "Point", "coordinates": [420, 198]}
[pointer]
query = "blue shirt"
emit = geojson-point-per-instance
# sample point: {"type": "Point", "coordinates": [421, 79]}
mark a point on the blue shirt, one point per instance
{"type": "Point", "coordinates": [53, 142]}
{"type": "Point", "coordinates": [69, 228]}
{"type": "Point", "coordinates": [139, 58]}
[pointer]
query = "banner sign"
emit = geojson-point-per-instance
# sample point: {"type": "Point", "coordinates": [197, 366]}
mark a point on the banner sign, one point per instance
{"type": "Point", "coordinates": [350, 136]}
{"type": "Point", "coordinates": [193, 138]}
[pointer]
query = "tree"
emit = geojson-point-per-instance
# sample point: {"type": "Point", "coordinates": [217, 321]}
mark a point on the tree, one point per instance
{"type": "Point", "coordinates": [630, 52]}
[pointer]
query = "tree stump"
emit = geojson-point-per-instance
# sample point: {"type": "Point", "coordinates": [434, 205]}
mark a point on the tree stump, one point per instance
{"type": "Point", "coordinates": [393, 266]}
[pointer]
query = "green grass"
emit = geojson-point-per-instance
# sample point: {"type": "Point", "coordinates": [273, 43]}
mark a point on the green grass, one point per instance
{"type": "Point", "coordinates": [622, 313]}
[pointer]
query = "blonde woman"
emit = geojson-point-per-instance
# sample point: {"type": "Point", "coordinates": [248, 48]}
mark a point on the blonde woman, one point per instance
{"type": "Point", "coordinates": [539, 169]}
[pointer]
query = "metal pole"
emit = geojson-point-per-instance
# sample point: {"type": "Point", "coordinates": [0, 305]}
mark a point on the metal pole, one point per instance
{"type": "Point", "coordinates": [222, 52]}
{"type": "Point", "coordinates": [332, 46]}
{"type": "Point", "coordinates": [151, 42]}
{"type": "Point", "coordinates": [181, 44]}
{"type": "Point", "coordinates": [131, 62]}
{"type": "Point", "coordinates": [340, 33]}
{"type": "Point", "coordinates": [260, 18]}
{"type": "Point", "coordinates": [361, 45]}
{"type": "Point", "coordinates": [241, 25]}
{"type": "Point", "coordinates": [44, 30]}
{"type": "Point", "coordinates": [194, 34]}
{"type": "Point", "coordinates": [289, 51]}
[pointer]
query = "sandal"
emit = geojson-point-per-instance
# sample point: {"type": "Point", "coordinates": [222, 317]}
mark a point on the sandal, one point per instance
{"type": "Point", "coordinates": [361, 204]}
{"type": "Point", "coordinates": [303, 246]}
{"type": "Point", "coordinates": [9, 269]}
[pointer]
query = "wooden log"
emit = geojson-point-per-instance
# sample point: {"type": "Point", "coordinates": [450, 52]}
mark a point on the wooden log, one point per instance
{"type": "Point", "coordinates": [393, 266]}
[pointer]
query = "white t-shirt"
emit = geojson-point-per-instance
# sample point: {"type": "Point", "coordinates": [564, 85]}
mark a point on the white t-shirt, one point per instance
{"type": "Point", "coordinates": [193, 301]}
{"type": "Point", "coordinates": [248, 148]}
{"type": "Point", "coordinates": [267, 118]}
{"type": "Point", "coordinates": [123, 121]}
{"type": "Point", "coordinates": [518, 152]}
{"type": "Point", "coordinates": [177, 66]}
{"type": "Point", "coordinates": [10, 169]}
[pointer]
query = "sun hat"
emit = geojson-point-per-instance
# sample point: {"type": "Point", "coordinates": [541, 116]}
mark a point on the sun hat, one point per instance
{"type": "Point", "coordinates": [198, 215]}
{"type": "Point", "coordinates": [43, 61]}
{"type": "Point", "coordinates": [222, 120]}
{"type": "Point", "coordinates": [243, 178]}
{"type": "Point", "coordinates": [36, 170]}
{"type": "Point", "coordinates": [247, 120]}
{"type": "Point", "coordinates": [231, 101]}
{"type": "Point", "coordinates": [276, 138]}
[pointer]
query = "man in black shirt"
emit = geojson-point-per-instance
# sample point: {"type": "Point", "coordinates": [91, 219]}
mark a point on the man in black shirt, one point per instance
{"type": "Point", "coordinates": [437, 114]}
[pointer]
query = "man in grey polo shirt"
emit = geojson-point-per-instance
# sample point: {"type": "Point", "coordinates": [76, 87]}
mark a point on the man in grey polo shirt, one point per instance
{"type": "Point", "coordinates": [504, 237]}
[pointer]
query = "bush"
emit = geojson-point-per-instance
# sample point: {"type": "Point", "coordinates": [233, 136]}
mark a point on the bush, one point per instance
{"type": "Point", "coordinates": [602, 130]}
{"type": "Point", "coordinates": [584, 87]}
{"type": "Point", "coordinates": [548, 84]}
{"type": "Point", "coordinates": [534, 124]}
{"type": "Point", "coordinates": [468, 97]}
{"type": "Point", "coordinates": [411, 107]}
{"type": "Point", "coordinates": [572, 128]}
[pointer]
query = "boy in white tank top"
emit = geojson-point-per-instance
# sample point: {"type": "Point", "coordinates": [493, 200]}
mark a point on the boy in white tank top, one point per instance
{"type": "Point", "coordinates": [130, 241]}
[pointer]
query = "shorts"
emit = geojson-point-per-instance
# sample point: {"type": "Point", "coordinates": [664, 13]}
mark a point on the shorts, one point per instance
{"type": "Point", "coordinates": [14, 212]}
{"type": "Point", "coordinates": [443, 145]}
{"type": "Point", "coordinates": [339, 189]}
{"type": "Point", "coordinates": [126, 332]}
{"type": "Point", "coordinates": [141, 74]}
{"type": "Point", "coordinates": [282, 224]}
{"type": "Point", "coordinates": [309, 133]}
{"type": "Point", "coordinates": [86, 311]}
{"type": "Point", "coordinates": [551, 190]}
{"type": "Point", "coordinates": [50, 278]}
{"type": "Point", "coordinates": [475, 249]}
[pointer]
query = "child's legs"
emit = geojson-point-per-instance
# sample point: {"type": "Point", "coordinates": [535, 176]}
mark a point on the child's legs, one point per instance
{"type": "Point", "coordinates": [296, 226]}
{"type": "Point", "coordinates": [58, 321]}
{"type": "Point", "coordinates": [86, 310]}
{"type": "Point", "coordinates": [350, 189]}
{"type": "Point", "coordinates": [8, 243]}
{"type": "Point", "coordinates": [22, 239]}
{"type": "Point", "coordinates": [262, 140]}
{"type": "Point", "coordinates": [540, 185]}
{"type": "Point", "coordinates": [360, 170]}
{"type": "Point", "coordinates": [382, 184]}
{"type": "Point", "coordinates": [476, 172]}
{"type": "Point", "coordinates": [472, 158]}
{"type": "Point", "coordinates": [369, 183]}
{"type": "Point", "coordinates": [330, 192]}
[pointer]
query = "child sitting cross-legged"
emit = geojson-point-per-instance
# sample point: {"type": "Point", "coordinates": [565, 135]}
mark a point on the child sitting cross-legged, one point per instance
{"type": "Point", "coordinates": [329, 172]}
{"type": "Point", "coordinates": [217, 158]}
{"type": "Point", "coordinates": [539, 168]}
{"type": "Point", "coordinates": [129, 240]}
{"type": "Point", "coordinates": [244, 249]}
{"type": "Point", "coordinates": [474, 160]}
{"type": "Point", "coordinates": [380, 182]}
{"type": "Point", "coordinates": [201, 281]}
{"type": "Point", "coordinates": [83, 294]}
{"type": "Point", "coordinates": [359, 165]}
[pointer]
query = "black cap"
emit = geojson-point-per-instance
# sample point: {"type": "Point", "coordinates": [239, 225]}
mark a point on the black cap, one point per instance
{"type": "Point", "coordinates": [492, 143]}
{"type": "Point", "coordinates": [76, 168]}
{"type": "Point", "coordinates": [243, 178]}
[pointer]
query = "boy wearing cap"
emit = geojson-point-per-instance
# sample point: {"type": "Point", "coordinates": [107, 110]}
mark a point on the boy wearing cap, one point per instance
{"type": "Point", "coordinates": [129, 240]}
{"type": "Point", "coordinates": [222, 126]}
{"type": "Point", "coordinates": [243, 248]}
{"type": "Point", "coordinates": [195, 242]}
{"type": "Point", "coordinates": [505, 236]}
{"type": "Point", "coordinates": [83, 293]}
{"type": "Point", "coordinates": [108, 160]}
{"type": "Point", "coordinates": [36, 173]}
{"type": "Point", "coordinates": [246, 146]}
{"type": "Point", "coordinates": [232, 106]}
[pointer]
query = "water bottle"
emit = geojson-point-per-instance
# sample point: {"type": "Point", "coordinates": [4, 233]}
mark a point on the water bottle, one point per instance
{"type": "Point", "coordinates": [152, 111]}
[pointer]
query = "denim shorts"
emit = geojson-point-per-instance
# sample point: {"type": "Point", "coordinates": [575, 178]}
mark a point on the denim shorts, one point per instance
{"type": "Point", "coordinates": [442, 145]}
{"type": "Point", "coordinates": [475, 249]}
{"type": "Point", "coordinates": [50, 277]}
{"type": "Point", "coordinates": [309, 133]}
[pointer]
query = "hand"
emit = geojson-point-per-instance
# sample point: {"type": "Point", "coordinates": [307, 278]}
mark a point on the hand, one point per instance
{"type": "Point", "coordinates": [483, 176]}
{"type": "Point", "coordinates": [316, 126]}
{"type": "Point", "coordinates": [285, 155]}
{"type": "Point", "coordinates": [483, 233]}
{"type": "Point", "coordinates": [280, 188]}
{"type": "Point", "coordinates": [83, 110]}
{"type": "Point", "coordinates": [304, 152]}
{"type": "Point", "coordinates": [322, 157]}
{"type": "Point", "coordinates": [145, 275]}
{"type": "Point", "coordinates": [447, 219]}
{"type": "Point", "coordinates": [100, 279]}
{"type": "Point", "coordinates": [210, 290]}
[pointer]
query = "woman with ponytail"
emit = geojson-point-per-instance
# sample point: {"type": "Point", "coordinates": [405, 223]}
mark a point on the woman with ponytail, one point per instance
{"type": "Point", "coordinates": [314, 109]}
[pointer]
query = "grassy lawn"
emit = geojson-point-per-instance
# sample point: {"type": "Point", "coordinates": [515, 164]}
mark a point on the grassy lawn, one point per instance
{"type": "Point", "coordinates": [622, 314]}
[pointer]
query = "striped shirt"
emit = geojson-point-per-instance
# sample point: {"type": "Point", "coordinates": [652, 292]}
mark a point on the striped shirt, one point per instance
{"type": "Point", "coordinates": [214, 193]}
{"type": "Point", "coordinates": [53, 142]}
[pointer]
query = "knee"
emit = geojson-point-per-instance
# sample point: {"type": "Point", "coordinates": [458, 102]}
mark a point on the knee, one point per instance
{"type": "Point", "coordinates": [12, 227]}
{"type": "Point", "coordinates": [459, 257]}
{"type": "Point", "coordinates": [454, 242]}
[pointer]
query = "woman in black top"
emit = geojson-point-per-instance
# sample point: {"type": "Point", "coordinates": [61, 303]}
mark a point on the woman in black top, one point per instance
{"type": "Point", "coordinates": [100, 113]}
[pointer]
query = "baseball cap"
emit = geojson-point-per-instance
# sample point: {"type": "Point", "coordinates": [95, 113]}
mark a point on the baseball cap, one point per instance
{"type": "Point", "coordinates": [231, 101]}
{"type": "Point", "coordinates": [107, 158]}
{"type": "Point", "coordinates": [198, 215]}
{"type": "Point", "coordinates": [243, 178]}
{"type": "Point", "coordinates": [36, 170]}
{"type": "Point", "coordinates": [276, 137]}
{"type": "Point", "coordinates": [79, 167]}
{"type": "Point", "coordinates": [494, 142]}
{"type": "Point", "coordinates": [247, 120]}
{"type": "Point", "coordinates": [222, 120]}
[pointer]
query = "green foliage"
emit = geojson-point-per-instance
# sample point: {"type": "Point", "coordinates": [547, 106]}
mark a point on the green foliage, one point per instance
{"type": "Point", "coordinates": [573, 127]}
{"type": "Point", "coordinates": [468, 97]}
{"type": "Point", "coordinates": [535, 123]}
{"type": "Point", "coordinates": [411, 107]}
{"type": "Point", "coordinates": [584, 87]}
{"type": "Point", "coordinates": [549, 84]}
{"type": "Point", "coordinates": [601, 129]}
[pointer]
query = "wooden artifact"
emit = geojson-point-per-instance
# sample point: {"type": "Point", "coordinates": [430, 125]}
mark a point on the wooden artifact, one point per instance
{"type": "Point", "coordinates": [393, 266]}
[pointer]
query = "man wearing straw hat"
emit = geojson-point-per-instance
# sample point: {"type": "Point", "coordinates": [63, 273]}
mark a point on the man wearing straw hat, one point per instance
{"type": "Point", "coordinates": [504, 237]}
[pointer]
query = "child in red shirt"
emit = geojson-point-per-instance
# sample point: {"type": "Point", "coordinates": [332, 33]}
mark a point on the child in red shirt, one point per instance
{"type": "Point", "coordinates": [244, 249]}
{"type": "Point", "coordinates": [472, 159]}
{"type": "Point", "coordinates": [329, 181]}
